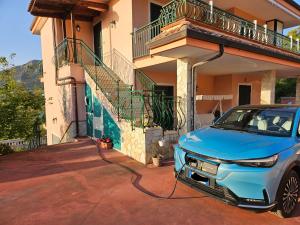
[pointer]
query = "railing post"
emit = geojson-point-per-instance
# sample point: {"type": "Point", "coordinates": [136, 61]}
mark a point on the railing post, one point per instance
{"type": "Point", "coordinates": [275, 39]}
{"type": "Point", "coordinates": [73, 37]}
{"type": "Point", "coordinates": [96, 75]}
{"type": "Point", "coordinates": [291, 42]}
{"type": "Point", "coordinates": [143, 111]}
{"type": "Point", "coordinates": [163, 110]}
{"type": "Point", "coordinates": [211, 4]}
{"type": "Point", "coordinates": [118, 99]}
{"type": "Point", "coordinates": [81, 62]}
{"type": "Point", "coordinates": [131, 107]}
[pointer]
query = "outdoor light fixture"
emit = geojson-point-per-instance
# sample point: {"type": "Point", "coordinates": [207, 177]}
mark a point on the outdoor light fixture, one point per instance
{"type": "Point", "coordinates": [113, 24]}
{"type": "Point", "coordinates": [78, 28]}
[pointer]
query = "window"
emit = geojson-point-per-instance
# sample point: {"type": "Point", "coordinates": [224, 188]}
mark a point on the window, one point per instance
{"type": "Point", "coordinates": [272, 121]}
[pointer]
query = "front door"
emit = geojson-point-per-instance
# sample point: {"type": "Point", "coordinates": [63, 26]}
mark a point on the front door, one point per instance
{"type": "Point", "coordinates": [154, 15]}
{"type": "Point", "coordinates": [164, 110]}
{"type": "Point", "coordinates": [244, 94]}
{"type": "Point", "coordinates": [154, 11]}
{"type": "Point", "coordinates": [98, 40]}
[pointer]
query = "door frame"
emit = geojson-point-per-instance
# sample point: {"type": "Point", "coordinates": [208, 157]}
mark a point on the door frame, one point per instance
{"type": "Point", "coordinates": [149, 7]}
{"type": "Point", "coordinates": [101, 37]}
{"type": "Point", "coordinates": [238, 92]}
{"type": "Point", "coordinates": [167, 85]}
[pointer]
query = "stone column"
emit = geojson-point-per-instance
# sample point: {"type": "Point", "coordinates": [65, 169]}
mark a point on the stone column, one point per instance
{"type": "Point", "coordinates": [268, 82]}
{"type": "Point", "coordinates": [298, 91]}
{"type": "Point", "coordinates": [184, 85]}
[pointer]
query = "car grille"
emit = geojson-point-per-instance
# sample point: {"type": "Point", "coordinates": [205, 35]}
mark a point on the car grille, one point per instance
{"type": "Point", "coordinates": [216, 190]}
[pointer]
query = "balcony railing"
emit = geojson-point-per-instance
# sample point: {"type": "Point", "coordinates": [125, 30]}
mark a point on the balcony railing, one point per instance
{"type": "Point", "coordinates": [199, 11]}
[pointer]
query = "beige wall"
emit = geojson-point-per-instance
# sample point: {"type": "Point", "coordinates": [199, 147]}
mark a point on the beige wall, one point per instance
{"type": "Point", "coordinates": [163, 78]}
{"type": "Point", "coordinates": [59, 100]}
{"type": "Point", "coordinates": [245, 15]}
{"type": "Point", "coordinates": [141, 11]}
{"type": "Point", "coordinates": [226, 85]}
{"type": "Point", "coordinates": [117, 36]}
{"type": "Point", "coordinates": [254, 80]}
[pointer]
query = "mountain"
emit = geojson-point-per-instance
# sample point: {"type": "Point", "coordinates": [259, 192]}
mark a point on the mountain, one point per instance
{"type": "Point", "coordinates": [29, 74]}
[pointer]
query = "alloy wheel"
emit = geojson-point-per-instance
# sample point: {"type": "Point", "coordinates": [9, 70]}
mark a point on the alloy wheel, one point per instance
{"type": "Point", "coordinates": [290, 195]}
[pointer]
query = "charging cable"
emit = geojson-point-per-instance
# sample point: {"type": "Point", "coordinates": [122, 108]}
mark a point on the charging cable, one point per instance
{"type": "Point", "coordinates": [176, 181]}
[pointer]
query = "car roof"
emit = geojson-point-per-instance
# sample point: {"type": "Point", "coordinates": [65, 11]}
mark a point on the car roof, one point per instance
{"type": "Point", "coordinates": [287, 107]}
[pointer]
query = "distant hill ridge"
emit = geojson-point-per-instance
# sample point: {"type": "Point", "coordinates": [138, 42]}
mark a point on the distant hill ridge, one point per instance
{"type": "Point", "coordinates": [29, 74]}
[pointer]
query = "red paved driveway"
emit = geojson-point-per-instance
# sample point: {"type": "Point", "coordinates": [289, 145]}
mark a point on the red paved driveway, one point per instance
{"type": "Point", "coordinates": [72, 184]}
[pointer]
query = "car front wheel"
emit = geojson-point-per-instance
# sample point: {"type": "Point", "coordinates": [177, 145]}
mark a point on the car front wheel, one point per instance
{"type": "Point", "coordinates": [288, 195]}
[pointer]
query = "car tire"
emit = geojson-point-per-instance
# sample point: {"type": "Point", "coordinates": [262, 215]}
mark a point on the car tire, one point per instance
{"type": "Point", "coordinates": [288, 195]}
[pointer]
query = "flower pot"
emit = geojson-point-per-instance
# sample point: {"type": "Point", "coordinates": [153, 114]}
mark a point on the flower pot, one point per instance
{"type": "Point", "coordinates": [105, 145]}
{"type": "Point", "coordinates": [156, 161]}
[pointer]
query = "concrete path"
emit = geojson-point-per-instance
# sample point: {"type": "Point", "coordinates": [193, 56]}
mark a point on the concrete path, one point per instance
{"type": "Point", "coordinates": [73, 184]}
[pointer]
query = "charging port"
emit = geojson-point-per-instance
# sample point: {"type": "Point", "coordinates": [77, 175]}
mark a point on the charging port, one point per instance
{"type": "Point", "coordinates": [199, 178]}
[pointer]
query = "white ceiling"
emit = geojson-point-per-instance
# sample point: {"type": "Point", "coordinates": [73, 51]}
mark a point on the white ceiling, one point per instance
{"type": "Point", "coordinates": [227, 64]}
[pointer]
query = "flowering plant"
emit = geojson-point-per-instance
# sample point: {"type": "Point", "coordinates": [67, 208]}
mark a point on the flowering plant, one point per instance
{"type": "Point", "coordinates": [105, 140]}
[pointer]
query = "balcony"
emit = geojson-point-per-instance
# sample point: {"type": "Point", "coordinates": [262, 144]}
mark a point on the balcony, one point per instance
{"type": "Point", "coordinates": [215, 20]}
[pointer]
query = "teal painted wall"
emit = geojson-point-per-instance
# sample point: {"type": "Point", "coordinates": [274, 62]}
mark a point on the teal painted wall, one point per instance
{"type": "Point", "coordinates": [111, 129]}
{"type": "Point", "coordinates": [99, 121]}
{"type": "Point", "coordinates": [89, 110]}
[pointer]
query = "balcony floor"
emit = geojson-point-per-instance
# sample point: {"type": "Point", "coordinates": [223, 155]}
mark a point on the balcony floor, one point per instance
{"type": "Point", "coordinates": [73, 184]}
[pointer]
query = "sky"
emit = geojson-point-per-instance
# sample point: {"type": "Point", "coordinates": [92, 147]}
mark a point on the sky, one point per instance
{"type": "Point", "coordinates": [15, 35]}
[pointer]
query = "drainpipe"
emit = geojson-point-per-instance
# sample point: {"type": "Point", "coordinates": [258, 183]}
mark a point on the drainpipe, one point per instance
{"type": "Point", "coordinates": [194, 79]}
{"type": "Point", "coordinates": [73, 81]}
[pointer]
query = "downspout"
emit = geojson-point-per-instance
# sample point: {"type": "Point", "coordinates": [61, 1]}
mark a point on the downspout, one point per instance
{"type": "Point", "coordinates": [73, 80]}
{"type": "Point", "coordinates": [194, 79]}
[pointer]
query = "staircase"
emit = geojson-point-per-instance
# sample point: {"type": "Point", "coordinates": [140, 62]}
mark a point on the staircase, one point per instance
{"type": "Point", "coordinates": [142, 108]}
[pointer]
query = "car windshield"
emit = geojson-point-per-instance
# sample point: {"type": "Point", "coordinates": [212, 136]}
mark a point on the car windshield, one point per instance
{"type": "Point", "coordinates": [277, 121]}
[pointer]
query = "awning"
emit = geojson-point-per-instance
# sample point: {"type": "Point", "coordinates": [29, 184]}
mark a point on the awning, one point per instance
{"type": "Point", "coordinates": [81, 9]}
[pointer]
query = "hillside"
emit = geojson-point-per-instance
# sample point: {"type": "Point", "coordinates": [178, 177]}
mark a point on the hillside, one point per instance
{"type": "Point", "coordinates": [29, 74]}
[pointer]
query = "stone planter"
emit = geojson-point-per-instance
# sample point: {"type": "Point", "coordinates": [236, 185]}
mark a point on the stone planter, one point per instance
{"type": "Point", "coordinates": [156, 161]}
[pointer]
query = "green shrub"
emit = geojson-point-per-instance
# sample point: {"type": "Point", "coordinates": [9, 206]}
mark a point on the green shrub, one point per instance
{"type": "Point", "coordinates": [5, 149]}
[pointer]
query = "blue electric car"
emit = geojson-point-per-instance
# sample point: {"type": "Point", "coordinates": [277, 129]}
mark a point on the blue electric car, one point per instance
{"type": "Point", "coordinates": [250, 158]}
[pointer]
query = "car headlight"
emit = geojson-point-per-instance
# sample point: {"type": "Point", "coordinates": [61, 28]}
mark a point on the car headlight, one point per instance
{"type": "Point", "coordinates": [265, 162]}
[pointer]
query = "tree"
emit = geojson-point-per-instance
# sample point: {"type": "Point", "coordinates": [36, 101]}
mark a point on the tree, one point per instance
{"type": "Point", "coordinates": [285, 87]}
{"type": "Point", "coordinates": [20, 109]}
{"type": "Point", "coordinates": [295, 33]}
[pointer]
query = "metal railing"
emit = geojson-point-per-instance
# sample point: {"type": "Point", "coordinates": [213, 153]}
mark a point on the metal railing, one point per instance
{"type": "Point", "coordinates": [142, 36]}
{"type": "Point", "coordinates": [30, 144]}
{"type": "Point", "coordinates": [199, 11]}
{"type": "Point", "coordinates": [120, 65]}
{"type": "Point", "coordinates": [137, 106]}
{"type": "Point", "coordinates": [128, 72]}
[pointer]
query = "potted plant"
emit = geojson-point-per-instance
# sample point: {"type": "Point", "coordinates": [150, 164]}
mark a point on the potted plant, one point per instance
{"type": "Point", "coordinates": [105, 143]}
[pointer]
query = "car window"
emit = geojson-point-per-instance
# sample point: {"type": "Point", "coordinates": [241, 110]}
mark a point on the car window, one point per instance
{"type": "Point", "coordinates": [275, 121]}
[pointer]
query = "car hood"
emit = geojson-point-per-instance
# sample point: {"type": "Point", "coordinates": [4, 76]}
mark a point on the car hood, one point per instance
{"type": "Point", "coordinates": [233, 145]}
